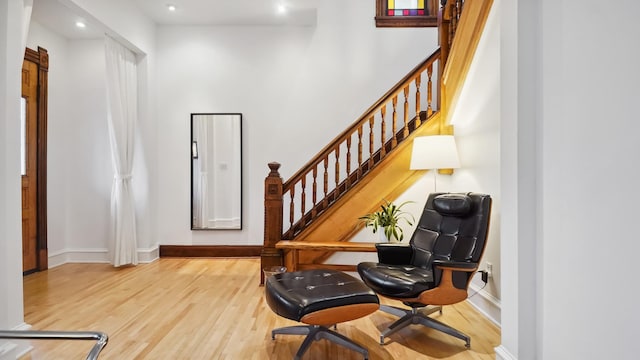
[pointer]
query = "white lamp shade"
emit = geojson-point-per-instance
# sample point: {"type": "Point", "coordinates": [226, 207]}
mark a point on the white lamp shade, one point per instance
{"type": "Point", "coordinates": [434, 152]}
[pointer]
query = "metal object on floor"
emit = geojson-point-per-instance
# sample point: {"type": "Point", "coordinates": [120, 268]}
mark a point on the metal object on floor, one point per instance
{"type": "Point", "coordinates": [100, 338]}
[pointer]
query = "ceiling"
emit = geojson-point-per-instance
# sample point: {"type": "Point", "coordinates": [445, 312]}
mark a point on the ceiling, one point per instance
{"type": "Point", "coordinates": [229, 12]}
{"type": "Point", "coordinates": [61, 17]}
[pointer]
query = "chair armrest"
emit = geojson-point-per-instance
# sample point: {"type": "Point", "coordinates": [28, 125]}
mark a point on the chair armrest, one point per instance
{"type": "Point", "coordinates": [456, 265]}
{"type": "Point", "coordinates": [394, 254]}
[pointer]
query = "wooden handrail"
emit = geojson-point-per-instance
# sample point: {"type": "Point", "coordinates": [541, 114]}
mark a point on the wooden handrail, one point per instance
{"type": "Point", "coordinates": [468, 26]}
{"type": "Point", "coordinates": [292, 249]}
{"type": "Point", "coordinates": [365, 116]}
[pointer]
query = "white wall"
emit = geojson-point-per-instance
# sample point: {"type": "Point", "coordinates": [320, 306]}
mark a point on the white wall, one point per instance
{"type": "Point", "coordinates": [89, 172]}
{"type": "Point", "coordinates": [570, 181]}
{"type": "Point", "coordinates": [80, 169]}
{"type": "Point", "coordinates": [589, 139]}
{"type": "Point", "coordinates": [285, 81]}
{"type": "Point", "coordinates": [11, 308]}
{"type": "Point", "coordinates": [476, 121]}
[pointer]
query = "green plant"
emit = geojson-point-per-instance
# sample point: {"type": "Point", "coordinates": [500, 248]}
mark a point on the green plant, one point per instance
{"type": "Point", "coordinates": [388, 218]}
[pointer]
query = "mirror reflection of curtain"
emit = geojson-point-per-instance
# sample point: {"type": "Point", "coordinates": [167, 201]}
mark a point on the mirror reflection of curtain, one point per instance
{"type": "Point", "coordinates": [200, 166]}
{"type": "Point", "coordinates": [225, 163]}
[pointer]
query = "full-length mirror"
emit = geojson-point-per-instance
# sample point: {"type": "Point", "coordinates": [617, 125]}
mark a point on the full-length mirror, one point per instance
{"type": "Point", "coordinates": [216, 171]}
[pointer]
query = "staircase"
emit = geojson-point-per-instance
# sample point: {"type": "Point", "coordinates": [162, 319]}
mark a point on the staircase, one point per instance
{"type": "Point", "coordinates": [369, 160]}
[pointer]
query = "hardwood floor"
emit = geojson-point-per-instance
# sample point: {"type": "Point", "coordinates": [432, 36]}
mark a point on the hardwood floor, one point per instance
{"type": "Point", "coordinates": [211, 309]}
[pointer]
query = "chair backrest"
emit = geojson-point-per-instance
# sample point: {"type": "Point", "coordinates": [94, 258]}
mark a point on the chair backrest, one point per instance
{"type": "Point", "coordinates": [453, 226]}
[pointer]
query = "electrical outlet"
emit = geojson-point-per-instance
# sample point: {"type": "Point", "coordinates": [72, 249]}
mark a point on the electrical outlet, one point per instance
{"type": "Point", "coordinates": [489, 269]}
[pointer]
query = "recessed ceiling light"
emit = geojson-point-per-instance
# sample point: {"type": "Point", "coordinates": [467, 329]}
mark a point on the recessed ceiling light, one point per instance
{"type": "Point", "coordinates": [281, 9]}
{"type": "Point", "coordinates": [171, 7]}
{"type": "Point", "coordinates": [80, 24]}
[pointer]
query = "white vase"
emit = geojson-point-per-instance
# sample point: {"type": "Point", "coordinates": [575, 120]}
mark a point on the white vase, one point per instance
{"type": "Point", "coordinates": [383, 237]}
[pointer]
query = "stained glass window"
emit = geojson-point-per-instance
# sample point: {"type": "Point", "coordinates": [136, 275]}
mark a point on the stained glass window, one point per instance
{"type": "Point", "coordinates": [405, 8]}
{"type": "Point", "coordinates": [407, 13]}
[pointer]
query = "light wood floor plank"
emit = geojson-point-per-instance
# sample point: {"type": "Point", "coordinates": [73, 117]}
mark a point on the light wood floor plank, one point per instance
{"type": "Point", "coordinates": [212, 309]}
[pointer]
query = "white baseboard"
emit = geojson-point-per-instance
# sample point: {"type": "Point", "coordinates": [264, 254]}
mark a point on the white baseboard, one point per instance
{"type": "Point", "coordinates": [486, 303]}
{"type": "Point", "coordinates": [149, 255]}
{"type": "Point", "coordinates": [503, 354]}
{"type": "Point", "coordinates": [65, 256]}
{"type": "Point", "coordinates": [15, 349]}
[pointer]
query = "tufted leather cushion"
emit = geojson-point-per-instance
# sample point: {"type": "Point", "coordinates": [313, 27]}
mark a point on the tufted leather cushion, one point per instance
{"type": "Point", "coordinates": [295, 294]}
{"type": "Point", "coordinates": [403, 281]}
{"type": "Point", "coordinates": [452, 204]}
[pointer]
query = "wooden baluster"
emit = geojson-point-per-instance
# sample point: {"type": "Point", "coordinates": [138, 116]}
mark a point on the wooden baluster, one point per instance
{"type": "Point", "coordinates": [303, 197]}
{"type": "Point", "coordinates": [454, 22]}
{"type": "Point", "coordinates": [270, 256]}
{"type": "Point", "coordinates": [292, 194]}
{"type": "Point", "coordinates": [429, 90]}
{"type": "Point", "coordinates": [406, 107]}
{"type": "Point", "coordinates": [433, 6]}
{"type": "Point", "coordinates": [348, 162]}
{"type": "Point", "coordinates": [444, 29]}
{"type": "Point", "coordinates": [394, 103]}
{"type": "Point", "coordinates": [326, 182]}
{"type": "Point", "coordinates": [359, 151]}
{"type": "Point", "coordinates": [418, 120]}
{"type": "Point", "coordinates": [383, 128]}
{"type": "Point", "coordinates": [370, 142]}
{"type": "Point", "coordinates": [314, 195]}
{"type": "Point", "coordinates": [337, 171]}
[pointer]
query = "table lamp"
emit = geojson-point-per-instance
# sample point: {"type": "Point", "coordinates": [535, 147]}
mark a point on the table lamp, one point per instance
{"type": "Point", "coordinates": [434, 152]}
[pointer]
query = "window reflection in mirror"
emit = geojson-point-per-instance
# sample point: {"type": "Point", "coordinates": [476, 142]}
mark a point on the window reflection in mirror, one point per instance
{"type": "Point", "coordinates": [216, 171]}
{"type": "Point", "coordinates": [23, 136]}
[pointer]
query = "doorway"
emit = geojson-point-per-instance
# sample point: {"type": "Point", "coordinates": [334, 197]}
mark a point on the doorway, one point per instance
{"type": "Point", "coordinates": [33, 150]}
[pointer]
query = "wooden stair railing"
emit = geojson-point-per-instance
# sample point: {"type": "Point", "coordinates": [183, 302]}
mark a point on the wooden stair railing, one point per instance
{"type": "Point", "coordinates": [335, 169]}
{"type": "Point", "coordinates": [359, 148]}
{"type": "Point", "coordinates": [304, 197]}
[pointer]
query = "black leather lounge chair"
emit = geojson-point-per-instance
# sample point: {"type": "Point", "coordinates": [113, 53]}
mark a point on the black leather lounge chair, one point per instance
{"type": "Point", "coordinates": [437, 265]}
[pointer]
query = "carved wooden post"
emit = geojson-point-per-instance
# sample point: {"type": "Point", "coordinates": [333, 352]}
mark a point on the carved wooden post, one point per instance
{"type": "Point", "coordinates": [444, 29]}
{"type": "Point", "coordinates": [271, 256]}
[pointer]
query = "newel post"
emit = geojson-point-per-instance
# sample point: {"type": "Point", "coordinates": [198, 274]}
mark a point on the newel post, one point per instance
{"type": "Point", "coordinates": [272, 220]}
{"type": "Point", "coordinates": [444, 32]}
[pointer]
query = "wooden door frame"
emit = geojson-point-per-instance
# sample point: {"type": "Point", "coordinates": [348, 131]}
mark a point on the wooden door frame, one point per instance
{"type": "Point", "coordinates": [41, 58]}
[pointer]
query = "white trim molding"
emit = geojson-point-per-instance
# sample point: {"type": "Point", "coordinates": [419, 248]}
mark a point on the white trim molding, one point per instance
{"type": "Point", "coordinates": [503, 354]}
{"type": "Point", "coordinates": [64, 256]}
{"type": "Point", "coordinates": [486, 304]}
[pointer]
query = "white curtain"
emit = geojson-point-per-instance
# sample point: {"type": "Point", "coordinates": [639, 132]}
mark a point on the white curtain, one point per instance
{"type": "Point", "coordinates": [122, 97]}
{"type": "Point", "coordinates": [26, 20]}
{"type": "Point", "coordinates": [201, 203]}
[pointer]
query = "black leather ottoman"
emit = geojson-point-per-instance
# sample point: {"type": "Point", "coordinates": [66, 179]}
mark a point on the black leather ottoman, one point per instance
{"type": "Point", "coordinates": [320, 298]}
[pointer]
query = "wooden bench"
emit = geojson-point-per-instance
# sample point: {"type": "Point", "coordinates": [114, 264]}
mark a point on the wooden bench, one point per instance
{"type": "Point", "coordinates": [292, 248]}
